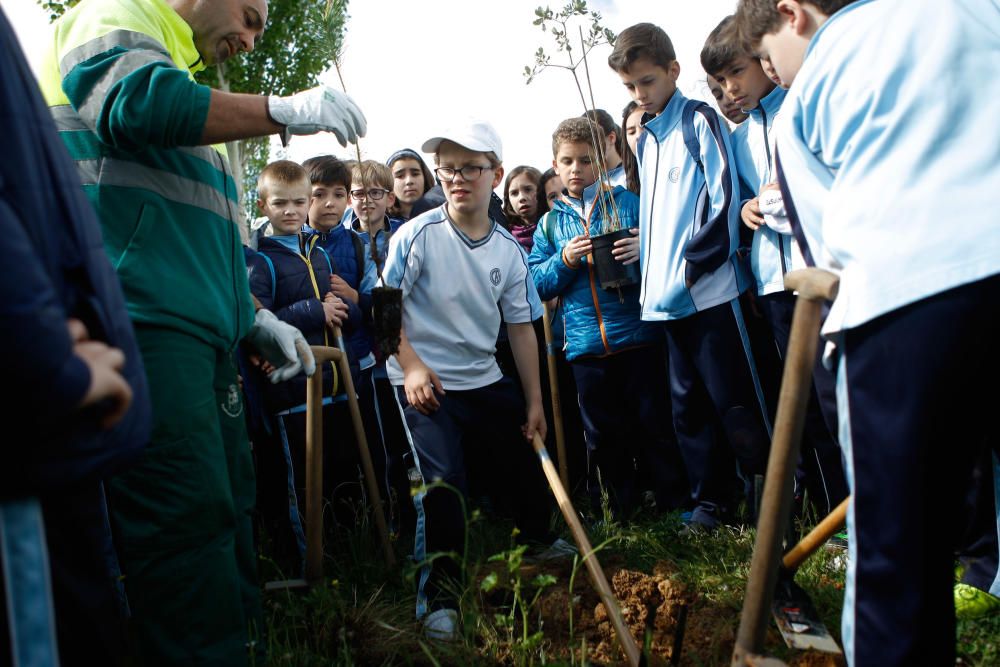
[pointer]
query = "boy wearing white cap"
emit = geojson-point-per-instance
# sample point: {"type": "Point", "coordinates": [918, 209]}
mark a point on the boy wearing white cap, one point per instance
{"type": "Point", "coordinates": [460, 272]}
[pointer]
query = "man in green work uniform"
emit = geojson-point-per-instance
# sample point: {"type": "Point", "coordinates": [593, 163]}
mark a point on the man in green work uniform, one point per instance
{"type": "Point", "coordinates": [119, 81]}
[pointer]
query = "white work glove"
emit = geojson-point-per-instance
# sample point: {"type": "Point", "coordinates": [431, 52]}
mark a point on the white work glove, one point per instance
{"type": "Point", "coordinates": [282, 345]}
{"type": "Point", "coordinates": [772, 208]}
{"type": "Point", "coordinates": [319, 109]}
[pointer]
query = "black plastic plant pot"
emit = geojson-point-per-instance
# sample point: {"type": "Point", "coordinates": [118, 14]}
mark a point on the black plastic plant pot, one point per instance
{"type": "Point", "coordinates": [387, 303]}
{"type": "Point", "coordinates": [611, 273]}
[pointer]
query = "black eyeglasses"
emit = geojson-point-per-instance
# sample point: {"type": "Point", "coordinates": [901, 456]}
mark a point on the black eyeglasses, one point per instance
{"type": "Point", "coordinates": [374, 194]}
{"type": "Point", "coordinates": [469, 172]}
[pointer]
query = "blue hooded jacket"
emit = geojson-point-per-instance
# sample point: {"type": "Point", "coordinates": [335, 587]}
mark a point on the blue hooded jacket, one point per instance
{"type": "Point", "coordinates": [293, 289]}
{"type": "Point", "coordinates": [597, 322]}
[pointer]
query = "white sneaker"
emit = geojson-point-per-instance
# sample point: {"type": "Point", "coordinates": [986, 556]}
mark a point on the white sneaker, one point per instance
{"type": "Point", "coordinates": [441, 625]}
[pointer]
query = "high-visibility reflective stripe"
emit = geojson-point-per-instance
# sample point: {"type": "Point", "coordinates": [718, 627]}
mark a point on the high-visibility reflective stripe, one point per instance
{"type": "Point", "coordinates": [120, 39]}
{"type": "Point", "coordinates": [128, 62]}
{"type": "Point", "coordinates": [111, 172]}
{"type": "Point", "coordinates": [69, 123]}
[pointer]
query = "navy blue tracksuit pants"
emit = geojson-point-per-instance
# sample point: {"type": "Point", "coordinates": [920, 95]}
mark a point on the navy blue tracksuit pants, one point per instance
{"type": "Point", "coordinates": [917, 398]}
{"type": "Point", "coordinates": [625, 405]}
{"type": "Point", "coordinates": [821, 469]}
{"type": "Point", "coordinates": [718, 404]}
{"type": "Point", "coordinates": [475, 427]}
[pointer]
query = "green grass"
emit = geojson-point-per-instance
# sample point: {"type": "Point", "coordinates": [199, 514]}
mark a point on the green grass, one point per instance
{"type": "Point", "coordinates": [362, 613]}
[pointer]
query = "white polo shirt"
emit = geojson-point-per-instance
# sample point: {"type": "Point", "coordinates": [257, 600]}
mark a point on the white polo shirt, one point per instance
{"type": "Point", "coordinates": [454, 293]}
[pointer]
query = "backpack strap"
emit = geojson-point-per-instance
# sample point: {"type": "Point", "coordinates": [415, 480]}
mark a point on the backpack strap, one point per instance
{"type": "Point", "coordinates": [326, 256]}
{"type": "Point", "coordinates": [545, 224]}
{"type": "Point", "coordinates": [274, 280]}
{"type": "Point", "coordinates": [687, 127]}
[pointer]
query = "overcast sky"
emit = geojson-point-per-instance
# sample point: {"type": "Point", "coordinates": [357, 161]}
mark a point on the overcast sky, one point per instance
{"type": "Point", "coordinates": [413, 66]}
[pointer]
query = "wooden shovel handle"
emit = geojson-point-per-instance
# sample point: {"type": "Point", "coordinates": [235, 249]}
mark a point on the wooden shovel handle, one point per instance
{"type": "Point", "coordinates": [597, 577]}
{"type": "Point", "coordinates": [823, 531]}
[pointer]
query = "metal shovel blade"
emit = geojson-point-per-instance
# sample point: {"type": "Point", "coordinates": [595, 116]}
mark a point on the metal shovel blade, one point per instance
{"type": "Point", "coordinates": [798, 621]}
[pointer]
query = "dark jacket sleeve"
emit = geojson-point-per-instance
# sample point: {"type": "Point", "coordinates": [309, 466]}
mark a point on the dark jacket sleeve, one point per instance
{"type": "Point", "coordinates": [42, 368]}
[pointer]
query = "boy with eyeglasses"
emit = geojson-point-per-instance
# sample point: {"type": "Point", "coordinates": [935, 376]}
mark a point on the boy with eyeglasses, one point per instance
{"type": "Point", "coordinates": [460, 272]}
{"type": "Point", "coordinates": [372, 197]}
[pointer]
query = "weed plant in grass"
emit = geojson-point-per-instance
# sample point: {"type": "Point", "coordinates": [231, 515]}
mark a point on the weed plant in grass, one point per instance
{"type": "Point", "coordinates": [534, 614]}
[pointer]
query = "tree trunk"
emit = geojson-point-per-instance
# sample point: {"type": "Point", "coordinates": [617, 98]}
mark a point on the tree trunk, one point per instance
{"type": "Point", "coordinates": [235, 152]}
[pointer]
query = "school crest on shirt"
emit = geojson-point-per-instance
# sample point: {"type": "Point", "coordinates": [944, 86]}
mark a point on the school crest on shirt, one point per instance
{"type": "Point", "coordinates": [233, 405]}
{"type": "Point", "coordinates": [495, 277]}
{"type": "Point", "coordinates": [674, 174]}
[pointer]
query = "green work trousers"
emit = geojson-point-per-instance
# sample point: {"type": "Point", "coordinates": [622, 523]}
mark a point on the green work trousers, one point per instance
{"type": "Point", "coordinates": [183, 515]}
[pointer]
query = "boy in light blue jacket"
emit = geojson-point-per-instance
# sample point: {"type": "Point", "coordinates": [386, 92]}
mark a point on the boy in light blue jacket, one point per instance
{"type": "Point", "coordinates": [774, 251]}
{"type": "Point", "coordinates": [618, 360]}
{"type": "Point", "coordinates": [692, 275]}
{"type": "Point", "coordinates": [890, 174]}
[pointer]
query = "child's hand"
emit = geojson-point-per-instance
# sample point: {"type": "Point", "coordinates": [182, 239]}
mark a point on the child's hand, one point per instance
{"type": "Point", "coordinates": [334, 310]}
{"type": "Point", "coordinates": [577, 248]}
{"type": "Point", "coordinates": [340, 287]}
{"type": "Point", "coordinates": [751, 214]}
{"type": "Point", "coordinates": [535, 423]}
{"type": "Point", "coordinates": [106, 382]}
{"type": "Point", "coordinates": [420, 384]}
{"type": "Point", "coordinates": [626, 251]}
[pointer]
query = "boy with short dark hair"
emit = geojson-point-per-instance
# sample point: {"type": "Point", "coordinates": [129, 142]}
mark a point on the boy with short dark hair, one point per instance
{"type": "Point", "coordinates": [618, 360]}
{"type": "Point", "coordinates": [890, 182]}
{"type": "Point", "coordinates": [691, 274]}
{"type": "Point", "coordinates": [773, 250]}
{"type": "Point", "coordinates": [460, 272]}
{"type": "Point", "coordinates": [353, 274]}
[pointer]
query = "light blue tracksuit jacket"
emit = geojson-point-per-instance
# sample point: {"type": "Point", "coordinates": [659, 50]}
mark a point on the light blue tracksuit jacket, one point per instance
{"type": "Point", "coordinates": [689, 216]}
{"type": "Point", "coordinates": [773, 253]}
{"type": "Point", "coordinates": [890, 154]}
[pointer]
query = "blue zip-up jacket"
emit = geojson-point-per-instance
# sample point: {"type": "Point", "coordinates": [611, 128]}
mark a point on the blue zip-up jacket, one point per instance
{"type": "Point", "coordinates": [689, 230]}
{"type": "Point", "coordinates": [339, 246]}
{"type": "Point", "coordinates": [891, 159]}
{"type": "Point", "coordinates": [597, 323]}
{"type": "Point", "coordinates": [772, 254]}
{"type": "Point", "coordinates": [54, 271]}
{"type": "Point", "coordinates": [292, 286]}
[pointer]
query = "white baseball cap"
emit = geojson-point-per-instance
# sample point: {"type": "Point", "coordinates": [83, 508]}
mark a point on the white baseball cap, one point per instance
{"type": "Point", "coordinates": [476, 135]}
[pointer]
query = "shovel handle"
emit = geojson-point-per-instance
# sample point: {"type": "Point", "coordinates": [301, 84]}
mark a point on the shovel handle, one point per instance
{"type": "Point", "coordinates": [597, 577]}
{"type": "Point", "coordinates": [813, 286]}
{"type": "Point", "coordinates": [556, 399]}
{"type": "Point", "coordinates": [363, 450]}
{"type": "Point", "coordinates": [816, 537]}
